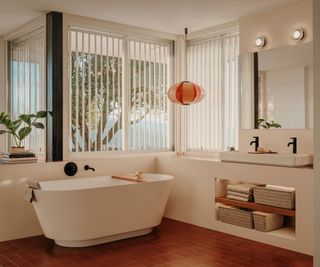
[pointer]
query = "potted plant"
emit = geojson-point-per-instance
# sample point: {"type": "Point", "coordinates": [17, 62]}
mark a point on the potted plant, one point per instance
{"type": "Point", "coordinates": [262, 123]}
{"type": "Point", "coordinates": [20, 128]}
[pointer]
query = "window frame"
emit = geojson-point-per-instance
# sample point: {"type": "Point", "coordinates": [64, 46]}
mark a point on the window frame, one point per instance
{"type": "Point", "coordinates": [19, 34]}
{"type": "Point", "coordinates": [126, 33]}
{"type": "Point", "coordinates": [211, 34]}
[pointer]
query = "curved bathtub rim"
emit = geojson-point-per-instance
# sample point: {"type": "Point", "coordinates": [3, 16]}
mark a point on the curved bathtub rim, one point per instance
{"type": "Point", "coordinates": [167, 179]}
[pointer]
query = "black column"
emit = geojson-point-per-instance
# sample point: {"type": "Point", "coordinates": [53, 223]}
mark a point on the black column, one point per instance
{"type": "Point", "coordinates": [54, 53]}
{"type": "Point", "coordinates": [256, 89]}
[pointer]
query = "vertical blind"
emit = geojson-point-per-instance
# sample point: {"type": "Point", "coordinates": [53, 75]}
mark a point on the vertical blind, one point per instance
{"type": "Point", "coordinates": [96, 62]}
{"type": "Point", "coordinates": [149, 108]}
{"type": "Point", "coordinates": [118, 92]}
{"type": "Point", "coordinates": [27, 89]}
{"type": "Point", "coordinates": [212, 124]}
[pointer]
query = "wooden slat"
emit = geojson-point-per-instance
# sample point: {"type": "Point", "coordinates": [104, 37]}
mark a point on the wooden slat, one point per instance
{"type": "Point", "coordinates": [255, 206]}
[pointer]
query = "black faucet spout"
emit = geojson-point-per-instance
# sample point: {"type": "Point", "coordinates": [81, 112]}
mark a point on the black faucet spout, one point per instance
{"type": "Point", "coordinates": [87, 167]}
{"type": "Point", "coordinates": [255, 142]}
{"type": "Point", "coordinates": [293, 144]}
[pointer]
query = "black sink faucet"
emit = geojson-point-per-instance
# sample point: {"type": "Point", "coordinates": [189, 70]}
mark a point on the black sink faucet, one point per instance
{"type": "Point", "coordinates": [255, 142]}
{"type": "Point", "coordinates": [294, 145]}
{"type": "Point", "coordinates": [87, 167]}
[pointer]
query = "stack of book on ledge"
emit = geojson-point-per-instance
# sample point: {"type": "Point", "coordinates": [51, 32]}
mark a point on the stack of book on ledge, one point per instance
{"type": "Point", "coordinates": [19, 157]}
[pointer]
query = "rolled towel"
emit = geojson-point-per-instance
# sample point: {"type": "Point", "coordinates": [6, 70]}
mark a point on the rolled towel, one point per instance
{"type": "Point", "coordinates": [238, 198]}
{"type": "Point", "coordinates": [280, 188]}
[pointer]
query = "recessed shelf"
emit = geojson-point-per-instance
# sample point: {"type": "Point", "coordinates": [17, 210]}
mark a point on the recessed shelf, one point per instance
{"type": "Point", "coordinates": [255, 206]}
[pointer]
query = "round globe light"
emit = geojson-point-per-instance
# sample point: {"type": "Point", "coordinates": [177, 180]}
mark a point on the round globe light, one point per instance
{"type": "Point", "coordinates": [297, 34]}
{"type": "Point", "coordinates": [259, 42]}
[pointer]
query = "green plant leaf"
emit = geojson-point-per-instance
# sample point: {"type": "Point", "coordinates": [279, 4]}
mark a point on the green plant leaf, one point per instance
{"type": "Point", "coordinates": [38, 125]}
{"type": "Point", "coordinates": [4, 118]}
{"type": "Point", "coordinates": [26, 118]}
{"type": "Point", "coordinates": [24, 132]}
{"type": "Point", "coordinates": [41, 114]}
{"type": "Point", "coordinates": [3, 115]}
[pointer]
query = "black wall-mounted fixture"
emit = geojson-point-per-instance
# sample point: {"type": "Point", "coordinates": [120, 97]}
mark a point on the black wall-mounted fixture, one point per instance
{"type": "Point", "coordinates": [70, 169]}
{"type": "Point", "coordinates": [293, 144]}
{"type": "Point", "coordinates": [87, 167]}
{"type": "Point", "coordinates": [255, 142]}
{"type": "Point", "coordinates": [54, 51]}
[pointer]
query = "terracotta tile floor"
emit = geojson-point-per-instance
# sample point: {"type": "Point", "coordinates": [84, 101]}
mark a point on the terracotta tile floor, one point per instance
{"type": "Point", "coordinates": [171, 244]}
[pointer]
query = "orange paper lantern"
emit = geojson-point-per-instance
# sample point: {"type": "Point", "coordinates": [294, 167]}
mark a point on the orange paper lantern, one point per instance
{"type": "Point", "coordinates": [186, 93]}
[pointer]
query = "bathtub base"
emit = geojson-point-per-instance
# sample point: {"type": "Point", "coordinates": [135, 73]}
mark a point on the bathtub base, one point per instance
{"type": "Point", "coordinates": [101, 240]}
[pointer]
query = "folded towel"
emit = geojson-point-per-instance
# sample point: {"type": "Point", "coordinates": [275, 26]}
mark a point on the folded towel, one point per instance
{"type": "Point", "coordinates": [238, 198]}
{"type": "Point", "coordinates": [280, 188]}
{"type": "Point", "coordinates": [244, 195]}
{"type": "Point", "coordinates": [241, 188]}
{"type": "Point", "coordinates": [248, 197]}
{"type": "Point", "coordinates": [33, 184]}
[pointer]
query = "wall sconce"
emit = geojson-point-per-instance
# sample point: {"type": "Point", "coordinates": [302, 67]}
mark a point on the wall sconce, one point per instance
{"type": "Point", "coordinates": [297, 34]}
{"type": "Point", "coordinates": [259, 42]}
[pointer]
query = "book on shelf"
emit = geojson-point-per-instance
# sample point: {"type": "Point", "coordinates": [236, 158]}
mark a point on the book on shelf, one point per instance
{"type": "Point", "coordinates": [18, 160]}
{"type": "Point", "coordinates": [19, 157]}
{"type": "Point", "coordinates": [19, 154]}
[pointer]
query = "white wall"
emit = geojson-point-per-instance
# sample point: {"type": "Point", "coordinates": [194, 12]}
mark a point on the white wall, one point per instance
{"type": "Point", "coordinates": [2, 90]}
{"type": "Point", "coordinates": [316, 131]}
{"type": "Point", "coordinates": [18, 219]}
{"type": "Point", "coordinates": [275, 25]}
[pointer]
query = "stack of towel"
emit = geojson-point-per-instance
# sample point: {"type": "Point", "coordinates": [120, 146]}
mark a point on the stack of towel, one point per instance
{"type": "Point", "coordinates": [242, 192]}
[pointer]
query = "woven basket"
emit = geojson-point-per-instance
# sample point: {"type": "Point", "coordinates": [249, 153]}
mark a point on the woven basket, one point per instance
{"type": "Point", "coordinates": [267, 221]}
{"type": "Point", "coordinates": [236, 216]}
{"type": "Point", "coordinates": [275, 198]}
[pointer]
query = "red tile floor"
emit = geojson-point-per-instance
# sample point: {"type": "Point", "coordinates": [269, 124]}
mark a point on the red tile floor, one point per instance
{"type": "Point", "coordinates": [171, 244]}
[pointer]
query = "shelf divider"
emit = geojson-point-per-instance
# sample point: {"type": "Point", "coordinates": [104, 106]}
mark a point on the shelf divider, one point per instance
{"type": "Point", "coordinates": [255, 206]}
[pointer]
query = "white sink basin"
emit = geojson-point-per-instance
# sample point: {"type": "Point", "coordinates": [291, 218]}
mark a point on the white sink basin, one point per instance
{"type": "Point", "coordinates": [288, 160]}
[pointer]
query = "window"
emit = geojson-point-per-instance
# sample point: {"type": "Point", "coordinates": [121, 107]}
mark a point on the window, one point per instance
{"type": "Point", "coordinates": [212, 124]}
{"type": "Point", "coordinates": [118, 89]}
{"type": "Point", "coordinates": [26, 82]}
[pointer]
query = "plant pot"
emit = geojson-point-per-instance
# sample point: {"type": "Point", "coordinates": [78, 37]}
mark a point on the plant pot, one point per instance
{"type": "Point", "coordinates": [15, 149]}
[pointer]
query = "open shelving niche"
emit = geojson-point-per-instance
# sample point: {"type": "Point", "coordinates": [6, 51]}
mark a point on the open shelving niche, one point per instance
{"type": "Point", "coordinates": [288, 231]}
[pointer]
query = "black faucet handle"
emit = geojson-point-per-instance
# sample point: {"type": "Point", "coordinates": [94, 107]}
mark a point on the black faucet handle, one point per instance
{"type": "Point", "coordinates": [87, 167]}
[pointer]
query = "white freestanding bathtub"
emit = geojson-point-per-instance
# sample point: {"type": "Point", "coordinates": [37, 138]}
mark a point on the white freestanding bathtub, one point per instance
{"type": "Point", "coordinates": [82, 212]}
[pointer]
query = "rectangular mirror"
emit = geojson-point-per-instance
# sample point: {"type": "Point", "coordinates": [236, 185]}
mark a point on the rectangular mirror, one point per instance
{"type": "Point", "coordinates": [276, 86]}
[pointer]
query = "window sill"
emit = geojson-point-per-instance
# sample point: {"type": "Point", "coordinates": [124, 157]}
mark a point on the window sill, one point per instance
{"type": "Point", "coordinates": [211, 156]}
{"type": "Point", "coordinates": [113, 154]}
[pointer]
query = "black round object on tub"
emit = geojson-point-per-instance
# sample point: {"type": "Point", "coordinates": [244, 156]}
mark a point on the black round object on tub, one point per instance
{"type": "Point", "coordinates": [70, 169]}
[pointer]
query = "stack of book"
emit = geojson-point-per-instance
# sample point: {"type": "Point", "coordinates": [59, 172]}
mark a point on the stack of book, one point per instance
{"type": "Point", "coordinates": [19, 157]}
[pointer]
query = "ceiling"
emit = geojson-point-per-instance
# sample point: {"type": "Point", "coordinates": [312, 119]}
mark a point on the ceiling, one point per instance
{"type": "Point", "coordinates": [164, 15]}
